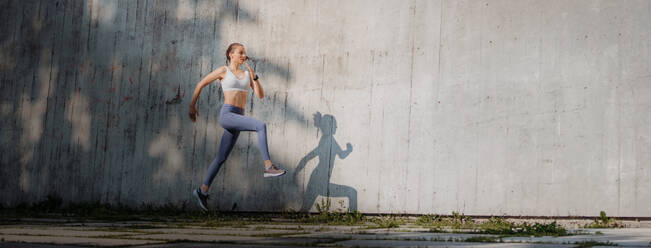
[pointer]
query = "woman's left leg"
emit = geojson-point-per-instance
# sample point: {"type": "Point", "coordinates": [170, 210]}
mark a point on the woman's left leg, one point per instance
{"type": "Point", "coordinates": [226, 145]}
{"type": "Point", "coordinates": [245, 123]}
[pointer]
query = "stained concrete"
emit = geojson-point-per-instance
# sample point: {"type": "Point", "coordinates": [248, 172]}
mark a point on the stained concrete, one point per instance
{"type": "Point", "coordinates": [620, 237]}
{"type": "Point", "coordinates": [536, 108]}
{"type": "Point", "coordinates": [60, 232]}
{"type": "Point", "coordinates": [75, 240]}
{"type": "Point", "coordinates": [355, 236]}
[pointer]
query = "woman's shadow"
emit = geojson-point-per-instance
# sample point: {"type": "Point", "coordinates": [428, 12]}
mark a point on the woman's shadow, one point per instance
{"type": "Point", "coordinates": [319, 183]}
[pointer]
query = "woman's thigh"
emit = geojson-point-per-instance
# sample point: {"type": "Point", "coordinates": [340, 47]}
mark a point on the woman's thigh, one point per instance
{"type": "Point", "coordinates": [237, 122]}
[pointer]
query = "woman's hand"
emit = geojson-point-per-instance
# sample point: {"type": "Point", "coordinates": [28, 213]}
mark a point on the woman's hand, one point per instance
{"type": "Point", "coordinates": [250, 70]}
{"type": "Point", "coordinates": [193, 113]}
{"type": "Point", "coordinates": [255, 84]}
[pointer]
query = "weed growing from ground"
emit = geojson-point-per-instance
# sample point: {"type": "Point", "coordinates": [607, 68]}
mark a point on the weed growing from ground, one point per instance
{"type": "Point", "coordinates": [592, 243]}
{"type": "Point", "coordinates": [455, 221]}
{"type": "Point", "coordinates": [429, 219]}
{"type": "Point", "coordinates": [54, 206]}
{"type": "Point", "coordinates": [497, 226]}
{"type": "Point", "coordinates": [539, 229]}
{"type": "Point", "coordinates": [326, 216]}
{"type": "Point", "coordinates": [494, 225]}
{"type": "Point", "coordinates": [604, 222]}
{"type": "Point", "coordinates": [387, 222]}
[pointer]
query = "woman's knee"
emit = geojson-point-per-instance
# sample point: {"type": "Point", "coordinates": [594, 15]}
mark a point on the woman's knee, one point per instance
{"type": "Point", "coordinates": [261, 126]}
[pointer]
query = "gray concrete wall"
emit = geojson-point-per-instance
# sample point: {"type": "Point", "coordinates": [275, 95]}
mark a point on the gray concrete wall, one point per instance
{"type": "Point", "coordinates": [481, 107]}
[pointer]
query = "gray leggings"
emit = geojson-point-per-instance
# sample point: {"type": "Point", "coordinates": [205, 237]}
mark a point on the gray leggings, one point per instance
{"type": "Point", "coordinates": [233, 121]}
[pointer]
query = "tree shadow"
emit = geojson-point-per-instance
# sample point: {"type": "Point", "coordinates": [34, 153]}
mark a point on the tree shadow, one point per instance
{"type": "Point", "coordinates": [327, 150]}
{"type": "Point", "coordinates": [93, 97]}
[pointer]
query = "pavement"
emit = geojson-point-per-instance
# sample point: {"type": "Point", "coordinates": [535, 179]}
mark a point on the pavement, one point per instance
{"type": "Point", "coordinates": [287, 233]}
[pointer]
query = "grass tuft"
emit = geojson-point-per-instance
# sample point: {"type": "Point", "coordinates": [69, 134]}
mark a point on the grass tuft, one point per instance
{"type": "Point", "coordinates": [604, 222]}
{"type": "Point", "coordinates": [494, 225]}
{"type": "Point", "coordinates": [591, 243]}
{"type": "Point", "coordinates": [326, 215]}
{"type": "Point", "coordinates": [387, 222]}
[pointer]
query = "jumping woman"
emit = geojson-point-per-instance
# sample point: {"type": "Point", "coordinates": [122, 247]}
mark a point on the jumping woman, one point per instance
{"type": "Point", "coordinates": [235, 84]}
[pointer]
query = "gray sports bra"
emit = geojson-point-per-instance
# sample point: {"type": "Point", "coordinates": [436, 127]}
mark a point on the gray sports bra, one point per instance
{"type": "Point", "coordinates": [231, 82]}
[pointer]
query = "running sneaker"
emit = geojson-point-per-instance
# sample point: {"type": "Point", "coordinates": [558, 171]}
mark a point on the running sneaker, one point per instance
{"type": "Point", "coordinates": [203, 199]}
{"type": "Point", "coordinates": [273, 171]}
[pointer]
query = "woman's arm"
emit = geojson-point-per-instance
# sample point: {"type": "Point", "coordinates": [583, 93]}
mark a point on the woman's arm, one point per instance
{"type": "Point", "coordinates": [216, 74]}
{"type": "Point", "coordinates": [206, 81]}
{"type": "Point", "coordinates": [255, 84]}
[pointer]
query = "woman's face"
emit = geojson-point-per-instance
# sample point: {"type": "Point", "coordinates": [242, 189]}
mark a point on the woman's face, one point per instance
{"type": "Point", "coordinates": [238, 55]}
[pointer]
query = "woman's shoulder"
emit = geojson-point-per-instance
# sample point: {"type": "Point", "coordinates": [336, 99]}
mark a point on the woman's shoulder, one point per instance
{"type": "Point", "coordinates": [221, 70]}
{"type": "Point", "coordinates": [218, 73]}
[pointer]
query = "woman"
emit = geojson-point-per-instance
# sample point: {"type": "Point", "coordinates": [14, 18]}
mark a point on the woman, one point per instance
{"type": "Point", "coordinates": [235, 84]}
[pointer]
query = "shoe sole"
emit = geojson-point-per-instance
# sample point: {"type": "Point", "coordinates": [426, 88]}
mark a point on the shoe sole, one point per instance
{"type": "Point", "coordinates": [274, 175]}
{"type": "Point", "coordinates": [196, 195]}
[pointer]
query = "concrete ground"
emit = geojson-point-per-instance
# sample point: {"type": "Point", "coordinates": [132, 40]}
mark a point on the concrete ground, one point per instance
{"type": "Point", "coordinates": [289, 233]}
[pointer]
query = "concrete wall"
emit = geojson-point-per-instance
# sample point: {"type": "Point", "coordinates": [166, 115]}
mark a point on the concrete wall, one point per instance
{"type": "Point", "coordinates": [482, 107]}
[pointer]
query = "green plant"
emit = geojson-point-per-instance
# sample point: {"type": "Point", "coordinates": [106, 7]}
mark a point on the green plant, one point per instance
{"type": "Point", "coordinates": [355, 217]}
{"type": "Point", "coordinates": [387, 222]}
{"type": "Point", "coordinates": [604, 222]}
{"type": "Point", "coordinates": [324, 207]}
{"type": "Point", "coordinates": [496, 225]}
{"type": "Point", "coordinates": [325, 215]}
{"type": "Point", "coordinates": [429, 219]}
{"type": "Point", "coordinates": [603, 217]}
{"type": "Point", "coordinates": [460, 217]}
{"type": "Point", "coordinates": [541, 229]}
{"type": "Point", "coordinates": [592, 243]}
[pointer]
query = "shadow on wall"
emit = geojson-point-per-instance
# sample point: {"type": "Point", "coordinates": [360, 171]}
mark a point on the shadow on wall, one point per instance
{"type": "Point", "coordinates": [327, 150]}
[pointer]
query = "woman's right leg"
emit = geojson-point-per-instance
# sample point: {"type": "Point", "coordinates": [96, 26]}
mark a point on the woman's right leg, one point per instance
{"type": "Point", "coordinates": [246, 123]}
{"type": "Point", "coordinates": [228, 141]}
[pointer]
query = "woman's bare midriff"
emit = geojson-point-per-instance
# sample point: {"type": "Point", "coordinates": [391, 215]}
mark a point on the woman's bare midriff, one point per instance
{"type": "Point", "coordinates": [235, 98]}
